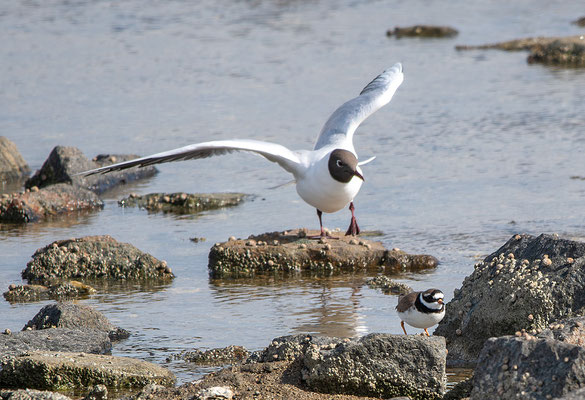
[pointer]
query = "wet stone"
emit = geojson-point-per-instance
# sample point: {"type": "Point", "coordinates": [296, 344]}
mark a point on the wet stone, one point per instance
{"type": "Point", "coordinates": [221, 356]}
{"type": "Point", "coordinates": [183, 203]}
{"type": "Point", "coordinates": [93, 257]}
{"type": "Point", "coordinates": [48, 203]}
{"type": "Point", "coordinates": [57, 291]}
{"type": "Point", "coordinates": [387, 285]}
{"type": "Point", "coordinates": [292, 252]}
{"type": "Point", "coordinates": [423, 31]}
{"type": "Point", "coordinates": [31, 394]}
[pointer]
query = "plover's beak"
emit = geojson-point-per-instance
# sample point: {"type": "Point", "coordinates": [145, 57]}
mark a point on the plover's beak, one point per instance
{"type": "Point", "coordinates": [440, 301]}
{"type": "Point", "coordinates": [355, 173]}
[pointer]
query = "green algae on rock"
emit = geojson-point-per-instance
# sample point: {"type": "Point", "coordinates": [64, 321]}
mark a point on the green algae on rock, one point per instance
{"type": "Point", "coordinates": [93, 257]}
{"type": "Point", "coordinates": [292, 251]}
{"type": "Point", "coordinates": [48, 370]}
{"type": "Point", "coordinates": [183, 203]}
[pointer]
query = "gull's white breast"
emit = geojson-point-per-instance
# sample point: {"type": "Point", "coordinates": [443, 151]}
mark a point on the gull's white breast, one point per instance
{"type": "Point", "coordinates": [319, 189]}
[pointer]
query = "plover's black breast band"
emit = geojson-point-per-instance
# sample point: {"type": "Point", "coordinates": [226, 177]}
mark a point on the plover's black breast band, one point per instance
{"type": "Point", "coordinates": [424, 309]}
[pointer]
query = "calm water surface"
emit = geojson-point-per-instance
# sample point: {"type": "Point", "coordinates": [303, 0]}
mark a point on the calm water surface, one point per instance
{"type": "Point", "coordinates": [475, 146]}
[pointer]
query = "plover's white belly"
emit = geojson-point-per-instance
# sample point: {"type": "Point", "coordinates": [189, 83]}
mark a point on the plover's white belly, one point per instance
{"type": "Point", "coordinates": [421, 320]}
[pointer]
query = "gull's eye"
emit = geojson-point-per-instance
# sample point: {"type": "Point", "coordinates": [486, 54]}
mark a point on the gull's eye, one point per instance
{"type": "Point", "coordinates": [339, 163]}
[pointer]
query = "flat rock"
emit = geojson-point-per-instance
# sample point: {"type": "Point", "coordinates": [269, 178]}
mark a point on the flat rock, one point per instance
{"type": "Point", "coordinates": [580, 21]}
{"type": "Point", "coordinates": [48, 370]}
{"type": "Point", "coordinates": [48, 203]}
{"type": "Point", "coordinates": [64, 162]}
{"type": "Point", "coordinates": [528, 368]}
{"type": "Point", "coordinates": [74, 316]}
{"type": "Point", "coordinates": [57, 339]}
{"type": "Point", "coordinates": [183, 203]}
{"type": "Point", "coordinates": [387, 285]}
{"type": "Point", "coordinates": [57, 291]}
{"type": "Point", "coordinates": [527, 284]}
{"type": "Point", "coordinates": [380, 365]}
{"type": "Point", "coordinates": [566, 51]}
{"type": "Point", "coordinates": [93, 257]}
{"type": "Point", "coordinates": [292, 251]}
{"type": "Point", "coordinates": [424, 31]}
{"type": "Point", "coordinates": [220, 356]}
{"type": "Point", "coordinates": [31, 394]}
{"type": "Point", "coordinates": [12, 166]}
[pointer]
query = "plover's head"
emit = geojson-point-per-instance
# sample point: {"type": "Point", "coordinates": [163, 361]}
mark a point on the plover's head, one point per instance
{"type": "Point", "coordinates": [343, 166]}
{"type": "Point", "coordinates": [432, 298]}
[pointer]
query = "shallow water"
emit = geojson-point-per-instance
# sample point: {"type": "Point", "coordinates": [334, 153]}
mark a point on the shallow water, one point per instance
{"type": "Point", "coordinates": [475, 147]}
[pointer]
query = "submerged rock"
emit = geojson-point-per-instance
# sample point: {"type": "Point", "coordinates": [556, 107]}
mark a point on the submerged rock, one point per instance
{"type": "Point", "coordinates": [93, 257]}
{"type": "Point", "coordinates": [47, 203]}
{"type": "Point", "coordinates": [222, 356]}
{"type": "Point", "coordinates": [56, 339]}
{"type": "Point", "coordinates": [527, 366]}
{"type": "Point", "coordinates": [387, 285]}
{"type": "Point", "coordinates": [64, 162]}
{"type": "Point", "coordinates": [61, 370]}
{"type": "Point", "coordinates": [425, 31]}
{"type": "Point", "coordinates": [567, 51]}
{"type": "Point", "coordinates": [292, 251]}
{"type": "Point", "coordinates": [580, 21]}
{"type": "Point", "coordinates": [12, 165]}
{"type": "Point", "coordinates": [74, 316]}
{"type": "Point", "coordinates": [31, 394]}
{"type": "Point", "coordinates": [183, 203]}
{"type": "Point", "coordinates": [380, 365]}
{"type": "Point", "coordinates": [526, 284]}
{"type": "Point", "coordinates": [57, 291]}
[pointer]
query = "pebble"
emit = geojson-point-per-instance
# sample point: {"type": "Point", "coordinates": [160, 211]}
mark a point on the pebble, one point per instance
{"type": "Point", "coordinates": [353, 241]}
{"type": "Point", "coordinates": [7, 331]}
{"type": "Point", "coordinates": [302, 246]}
{"type": "Point", "coordinates": [327, 246]}
{"type": "Point", "coordinates": [251, 243]}
{"type": "Point", "coordinates": [547, 262]}
{"type": "Point", "coordinates": [232, 239]}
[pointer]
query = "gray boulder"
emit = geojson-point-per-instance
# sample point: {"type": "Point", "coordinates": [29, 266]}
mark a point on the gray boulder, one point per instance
{"type": "Point", "coordinates": [292, 347]}
{"type": "Point", "coordinates": [57, 339]}
{"type": "Point", "coordinates": [93, 257]}
{"type": "Point", "coordinates": [61, 370]}
{"type": "Point", "coordinates": [64, 162]}
{"type": "Point", "coordinates": [527, 284]}
{"type": "Point", "coordinates": [379, 365]}
{"type": "Point", "coordinates": [12, 165]}
{"type": "Point", "coordinates": [74, 316]}
{"type": "Point", "coordinates": [529, 368]}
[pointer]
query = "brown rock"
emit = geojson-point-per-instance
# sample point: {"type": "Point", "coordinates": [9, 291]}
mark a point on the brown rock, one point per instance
{"type": "Point", "coordinates": [294, 252]}
{"type": "Point", "coordinates": [12, 165]}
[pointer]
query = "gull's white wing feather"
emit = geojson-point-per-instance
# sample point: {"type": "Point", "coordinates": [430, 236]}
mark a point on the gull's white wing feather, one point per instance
{"type": "Point", "coordinates": [287, 159]}
{"type": "Point", "coordinates": [342, 124]}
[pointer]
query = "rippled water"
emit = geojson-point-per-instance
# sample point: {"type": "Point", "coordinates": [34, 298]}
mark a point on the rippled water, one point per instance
{"type": "Point", "coordinates": [475, 146]}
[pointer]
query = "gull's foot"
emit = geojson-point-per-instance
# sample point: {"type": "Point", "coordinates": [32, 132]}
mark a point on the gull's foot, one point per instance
{"type": "Point", "coordinates": [353, 229]}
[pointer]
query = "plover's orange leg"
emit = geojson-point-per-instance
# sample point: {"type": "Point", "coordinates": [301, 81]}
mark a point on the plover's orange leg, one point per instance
{"type": "Point", "coordinates": [427, 332]}
{"type": "Point", "coordinates": [402, 325]}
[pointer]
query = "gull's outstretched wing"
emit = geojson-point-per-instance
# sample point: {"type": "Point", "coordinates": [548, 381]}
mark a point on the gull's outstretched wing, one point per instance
{"type": "Point", "coordinates": [287, 159]}
{"type": "Point", "coordinates": [344, 121]}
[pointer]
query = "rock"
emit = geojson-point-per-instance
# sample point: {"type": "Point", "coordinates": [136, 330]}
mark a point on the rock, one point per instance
{"type": "Point", "coordinates": [226, 355]}
{"type": "Point", "coordinates": [528, 367]}
{"type": "Point", "coordinates": [31, 394]}
{"type": "Point", "coordinates": [291, 251]}
{"type": "Point", "coordinates": [560, 52]}
{"type": "Point", "coordinates": [461, 390]}
{"type": "Point", "coordinates": [47, 203]}
{"type": "Point", "coordinates": [57, 339]}
{"type": "Point", "coordinates": [526, 284]}
{"type": "Point", "coordinates": [74, 316]}
{"type": "Point", "coordinates": [580, 21]}
{"type": "Point", "coordinates": [215, 393]}
{"type": "Point", "coordinates": [425, 31]}
{"type": "Point", "coordinates": [570, 330]}
{"type": "Point", "coordinates": [380, 365]}
{"type": "Point", "coordinates": [387, 285]}
{"type": "Point", "coordinates": [64, 162]}
{"type": "Point", "coordinates": [566, 51]}
{"type": "Point", "coordinates": [61, 370]}
{"type": "Point", "coordinates": [93, 257]}
{"type": "Point", "coordinates": [12, 165]}
{"type": "Point", "coordinates": [183, 203]}
{"type": "Point", "coordinates": [58, 291]}
{"type": "Point", "coordinates": [292, 347]}
{"type": "Point", "coordinates": [578, 394]}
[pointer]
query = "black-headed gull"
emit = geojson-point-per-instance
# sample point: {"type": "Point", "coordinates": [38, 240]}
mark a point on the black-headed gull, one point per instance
{"type": "Point", "coordinates": [327, 177]}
